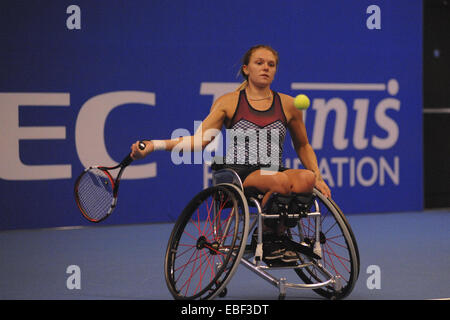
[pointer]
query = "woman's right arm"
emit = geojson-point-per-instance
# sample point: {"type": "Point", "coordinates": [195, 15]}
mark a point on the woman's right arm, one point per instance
{"type": "Point", "coordinates": [204, 135]}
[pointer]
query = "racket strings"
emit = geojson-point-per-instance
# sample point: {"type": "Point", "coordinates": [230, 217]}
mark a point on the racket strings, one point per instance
{"type": "Point", "coordinates": [95, 194]}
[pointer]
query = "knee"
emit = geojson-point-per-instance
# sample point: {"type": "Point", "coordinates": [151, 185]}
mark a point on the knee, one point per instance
{"type": "Point", "coordinates": [310, 178]}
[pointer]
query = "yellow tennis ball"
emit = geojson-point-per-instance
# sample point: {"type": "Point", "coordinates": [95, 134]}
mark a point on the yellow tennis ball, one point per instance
{"type": "Point", "coordinates": [301, 102]}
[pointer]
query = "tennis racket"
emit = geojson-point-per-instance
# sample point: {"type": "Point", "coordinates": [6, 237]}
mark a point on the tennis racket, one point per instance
{"type": "Point", "coordinates": [96, 190]}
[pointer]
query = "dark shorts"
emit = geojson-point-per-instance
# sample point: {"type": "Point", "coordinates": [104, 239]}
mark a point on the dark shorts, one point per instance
{"type": "Point", "coordinates": [244, 170]}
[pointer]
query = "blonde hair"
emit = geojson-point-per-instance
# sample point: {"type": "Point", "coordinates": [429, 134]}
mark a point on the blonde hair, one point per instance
{"type": "Point", "coordinates": [242, 86]}
{"type": "Point", "coordinates": [246, 59]}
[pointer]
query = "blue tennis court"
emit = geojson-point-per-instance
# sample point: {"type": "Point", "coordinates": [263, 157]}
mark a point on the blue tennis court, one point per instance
{"type": "Point", "coordinates": [411, 250]}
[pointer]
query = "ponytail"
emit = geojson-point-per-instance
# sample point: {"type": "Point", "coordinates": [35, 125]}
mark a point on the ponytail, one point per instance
{"type": "Point", "coordinates": [242, 86]}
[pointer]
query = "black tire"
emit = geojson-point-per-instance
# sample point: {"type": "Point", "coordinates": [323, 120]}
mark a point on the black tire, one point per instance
{"type": "Point", "coordinates": [205, 247]}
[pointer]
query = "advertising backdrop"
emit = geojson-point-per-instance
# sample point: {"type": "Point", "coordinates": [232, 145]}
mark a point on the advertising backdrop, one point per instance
{"type": "Point", "coordinates": [81, 81]}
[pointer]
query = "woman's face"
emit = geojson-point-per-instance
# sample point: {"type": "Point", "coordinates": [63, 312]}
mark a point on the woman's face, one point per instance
{"type": "Point", "coordinates": [261, 67]}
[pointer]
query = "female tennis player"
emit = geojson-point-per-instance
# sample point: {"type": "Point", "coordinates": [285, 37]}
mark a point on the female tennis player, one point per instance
{"type": "Point", "coordinates": [254, 107]}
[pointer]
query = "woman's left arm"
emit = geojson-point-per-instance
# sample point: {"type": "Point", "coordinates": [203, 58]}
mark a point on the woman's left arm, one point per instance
{"type": "Point", "coordinates": [301, 143]}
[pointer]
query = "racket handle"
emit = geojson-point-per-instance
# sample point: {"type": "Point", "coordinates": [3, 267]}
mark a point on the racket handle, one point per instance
{"type": "Point", "coordinates": [128, 159]}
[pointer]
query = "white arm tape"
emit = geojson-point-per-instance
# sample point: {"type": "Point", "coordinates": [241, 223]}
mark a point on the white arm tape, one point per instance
{"type": "Point", "coordinates": [185, 144]}
{"type": "Point", "coordinates": [159, 145]}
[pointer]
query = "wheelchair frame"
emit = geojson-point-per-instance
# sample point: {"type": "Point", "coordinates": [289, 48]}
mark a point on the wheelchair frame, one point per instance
{"type": "Point", "coordinates": [313, 272]}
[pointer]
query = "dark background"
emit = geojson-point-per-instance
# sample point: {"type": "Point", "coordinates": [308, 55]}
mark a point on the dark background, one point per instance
{"type": "Point", "coordinates": [436, 104]}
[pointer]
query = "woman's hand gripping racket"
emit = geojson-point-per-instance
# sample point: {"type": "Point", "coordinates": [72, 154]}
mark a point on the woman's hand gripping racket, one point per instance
{"type": "Point", "coordinates": [96, 190]}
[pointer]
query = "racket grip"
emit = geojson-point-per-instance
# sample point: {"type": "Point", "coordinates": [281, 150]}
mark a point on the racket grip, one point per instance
{"type": "Point", "coordinates": [128, 159]}
{"type": "Point", "coordinates": [125, 162]}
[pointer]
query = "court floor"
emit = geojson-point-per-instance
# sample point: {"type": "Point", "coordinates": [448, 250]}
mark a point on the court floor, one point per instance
{"type": "Point", "coordinates": [411, 250]}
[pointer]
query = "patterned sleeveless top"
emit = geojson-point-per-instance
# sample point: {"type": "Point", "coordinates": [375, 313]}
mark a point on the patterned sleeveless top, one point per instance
{"type": "Point", "coordinates": [256, 137]}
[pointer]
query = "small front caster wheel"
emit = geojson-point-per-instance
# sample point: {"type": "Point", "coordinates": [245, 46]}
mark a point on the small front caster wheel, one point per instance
{"type": "Point", "coordinates": [223, 293]}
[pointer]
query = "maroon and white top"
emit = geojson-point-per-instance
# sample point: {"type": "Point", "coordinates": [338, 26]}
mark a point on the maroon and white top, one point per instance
{"type": "Point", "coordinates": [256, 137]}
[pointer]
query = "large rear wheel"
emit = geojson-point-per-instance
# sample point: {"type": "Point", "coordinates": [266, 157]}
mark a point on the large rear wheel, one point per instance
{"type": "Point", "coordinates": [339, 250]}
{"type": "Point", "coordinates": [207, 243]}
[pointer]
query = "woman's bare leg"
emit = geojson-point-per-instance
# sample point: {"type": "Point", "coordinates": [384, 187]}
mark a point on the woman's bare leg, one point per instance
{"type": "Point", "coordinates": [302, 181]}
{"type": "Point", "coordinates": [286, 182]}
{"type": "Point", "coordinates": [268, 183]}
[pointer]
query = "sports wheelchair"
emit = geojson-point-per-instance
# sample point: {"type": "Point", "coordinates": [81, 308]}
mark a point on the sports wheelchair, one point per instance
{"type": "Point", "coordinates": [221, 227]}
